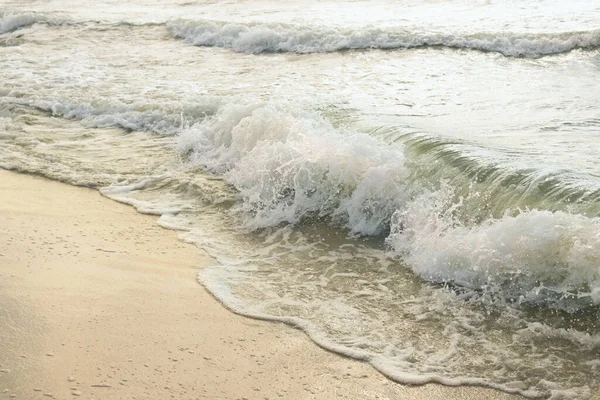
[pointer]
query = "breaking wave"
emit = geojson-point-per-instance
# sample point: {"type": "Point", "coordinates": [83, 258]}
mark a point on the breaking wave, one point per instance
{"type": "Point", "coordinates": [12, 21]}
{"type": "Point", "coordinates": [524, 236]}
{"type": "Point", "coordinates": [246, 38]}
{"type": "Point", "coordinates": [536, 256]}
{"type": "Point", "coordinates": [291, 165]}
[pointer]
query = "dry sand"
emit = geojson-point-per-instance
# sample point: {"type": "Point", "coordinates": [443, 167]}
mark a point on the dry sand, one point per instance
{"type": "Point", "coordinates": [98, 302]}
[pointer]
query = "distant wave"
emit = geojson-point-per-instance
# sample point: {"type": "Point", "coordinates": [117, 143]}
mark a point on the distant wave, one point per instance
{"type": "Point", "coordinates": [12, 21]}
{"type": "Point", "coordinates": [263, 38]}
{"type": "Point", "coordinates": [295, 39]}
{"type": "Point", "coordinates": [153, 118]}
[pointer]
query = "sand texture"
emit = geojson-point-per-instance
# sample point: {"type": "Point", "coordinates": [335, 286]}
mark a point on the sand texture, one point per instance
{"type": "Point", "coordinates": [98, 302]}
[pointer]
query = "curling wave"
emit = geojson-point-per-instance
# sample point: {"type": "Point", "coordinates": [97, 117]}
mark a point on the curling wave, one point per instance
{"type": "Point", "coordinates": [255, 38]}
{"type": "Point", "coordinates": [291, 165]}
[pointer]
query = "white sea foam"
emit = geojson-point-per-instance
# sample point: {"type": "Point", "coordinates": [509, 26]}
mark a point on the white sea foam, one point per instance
{"type": "Point", "coordinates": [416, 333]}
{"type": "Point", "coordinates": [289, 165]}
{"type": "Point", "coordinates": [220, 279]}
{"type": "Point", "coordinates": [12, 21]}
{"type": "Point", "coordinates": [535, 255]}
{"type": "Point", "coordinates": [246, 38]}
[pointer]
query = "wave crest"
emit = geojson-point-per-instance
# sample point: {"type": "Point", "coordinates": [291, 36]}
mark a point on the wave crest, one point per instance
{"type": "Point", "coordinates": [283, 38]}
{"type": "Point", "coordinates": [289, 165]}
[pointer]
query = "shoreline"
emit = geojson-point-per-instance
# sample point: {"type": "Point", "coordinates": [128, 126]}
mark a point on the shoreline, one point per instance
{"type": "Point", "coordinates": [98, 301]}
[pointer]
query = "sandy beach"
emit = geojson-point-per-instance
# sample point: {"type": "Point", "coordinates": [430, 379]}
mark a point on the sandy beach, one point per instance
{"type": "Point", "coordinates": [98, 302]}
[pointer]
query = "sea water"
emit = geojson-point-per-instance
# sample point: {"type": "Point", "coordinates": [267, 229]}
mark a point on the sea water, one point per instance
{"type": "Point", "coordinates": [413, 183]}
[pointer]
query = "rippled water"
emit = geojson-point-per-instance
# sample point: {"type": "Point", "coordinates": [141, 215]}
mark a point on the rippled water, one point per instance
{"type": "Point", "coordinates": [413, 183]}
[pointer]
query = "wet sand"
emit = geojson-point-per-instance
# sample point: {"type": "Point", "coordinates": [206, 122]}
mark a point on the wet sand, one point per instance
{"type": "Point", "coordinates": [98, 302]}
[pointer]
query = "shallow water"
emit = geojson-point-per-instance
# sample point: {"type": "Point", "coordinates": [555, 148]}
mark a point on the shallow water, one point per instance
{"type": "Point", "coordinates": [412, 183]}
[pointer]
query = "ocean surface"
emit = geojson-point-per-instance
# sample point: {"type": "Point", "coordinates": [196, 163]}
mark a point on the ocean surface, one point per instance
{"type": "Point", "coordinates": [413, 183]}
